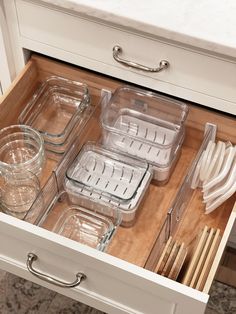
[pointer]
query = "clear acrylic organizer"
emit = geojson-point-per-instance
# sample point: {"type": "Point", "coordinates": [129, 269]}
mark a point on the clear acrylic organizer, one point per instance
{"type": "Point", "coordinates": [181, 202]}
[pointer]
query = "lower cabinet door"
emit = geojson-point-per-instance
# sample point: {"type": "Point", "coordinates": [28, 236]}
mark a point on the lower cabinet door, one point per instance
{"type": "Point", "coordinates": [116, 281]}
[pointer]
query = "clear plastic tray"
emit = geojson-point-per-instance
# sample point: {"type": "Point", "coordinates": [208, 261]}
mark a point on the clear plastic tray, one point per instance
{"type": "Point", "coordinates": [145, 125]}
{"type": "Point", "coordinates": [133, 169]}
{"type": "Point", "coordinates": [55, 108]}
{"type": "Point", "coordinates": [113, 175]}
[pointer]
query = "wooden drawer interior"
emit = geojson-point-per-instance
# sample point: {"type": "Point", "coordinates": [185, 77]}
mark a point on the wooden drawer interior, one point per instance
{"type": "Point", "coordinates": [134, 244]}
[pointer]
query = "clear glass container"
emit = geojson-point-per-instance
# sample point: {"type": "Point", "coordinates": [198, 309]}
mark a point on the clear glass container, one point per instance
{"type": "Point", "coordinates": [80, 223]}
{"type": "Point", "coordinates": [59, 149]}
{"type": "Point", "coordinates": [21, 149]}
{"type": "Point", "coordinates": [107, 176]}
{"type": "Point", "coordinates": [55, 109]}
{"type": "Point", "coordinates": [111, 174]}
{"type": "Point", "coordinates": [145, 125]}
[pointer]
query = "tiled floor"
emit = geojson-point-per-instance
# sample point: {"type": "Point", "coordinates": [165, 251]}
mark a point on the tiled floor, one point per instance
{"type": "Point", "coordinates": [18, 296]}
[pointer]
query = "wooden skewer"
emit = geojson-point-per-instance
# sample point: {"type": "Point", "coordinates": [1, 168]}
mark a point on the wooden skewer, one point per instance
{"type": "Point", "coordinates": [189, 273]}
{"type": "Point", "coordinates": [207, 265]}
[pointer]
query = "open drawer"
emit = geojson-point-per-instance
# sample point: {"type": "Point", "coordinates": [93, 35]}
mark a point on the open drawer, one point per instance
{"type": "Point", "coordinates": [117, 281]}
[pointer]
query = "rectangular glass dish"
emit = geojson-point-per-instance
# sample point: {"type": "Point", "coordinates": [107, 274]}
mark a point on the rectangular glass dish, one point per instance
{"type": "Point", "coordinates": [104, 175]}
{"type": "Point", "coordinates": [85, 223]}
{"type": "Point", "coordinates": [147, 126]}
{"type": "Point", "coordinates": [55, 109]}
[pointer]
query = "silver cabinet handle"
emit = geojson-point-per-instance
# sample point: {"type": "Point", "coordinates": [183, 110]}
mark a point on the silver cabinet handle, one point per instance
{"type": "Point", "coordinates": [32, 257]}
{"type": "Point", "coordinates": [117, 50]}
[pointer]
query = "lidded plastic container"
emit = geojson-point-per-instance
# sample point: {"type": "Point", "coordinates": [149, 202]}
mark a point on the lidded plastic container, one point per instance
{"type": "Point", "coordinates": [145, 125]}
{"type": "Point", "coordinates": [108, 176]}
{"type": "Point", "coordinates": [56, 108]}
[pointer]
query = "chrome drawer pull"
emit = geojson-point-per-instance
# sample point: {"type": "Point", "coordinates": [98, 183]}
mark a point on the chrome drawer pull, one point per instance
{"type": "Point", "coordinates": [117, 50]}
{"type": "Point", "coordinates": [32, 257]}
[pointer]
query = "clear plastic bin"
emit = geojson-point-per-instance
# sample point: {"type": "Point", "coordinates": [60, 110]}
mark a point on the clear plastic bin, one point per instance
{"type": "Point", "coordinates": [110, 177]}
{"type": "Point", "coordinates": [147, 126]}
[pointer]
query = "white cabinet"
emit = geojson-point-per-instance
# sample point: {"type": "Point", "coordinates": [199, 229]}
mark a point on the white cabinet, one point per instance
{"type": "Point", "coordinates": [117, 281]}
{"type": "Point", "coordinates": [7, 67]}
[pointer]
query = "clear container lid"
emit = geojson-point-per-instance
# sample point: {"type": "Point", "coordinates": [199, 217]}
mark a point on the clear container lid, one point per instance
{"type": "Point", "coordinates": [106, 172]}
{"type": "Point", "coordinates": [149, 117]}
{"type": "Point", "coordinates": [54, 108]}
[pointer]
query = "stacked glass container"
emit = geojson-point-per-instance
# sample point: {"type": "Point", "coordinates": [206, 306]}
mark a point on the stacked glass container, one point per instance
{"type": "Point", "coordinates": [58, 110]}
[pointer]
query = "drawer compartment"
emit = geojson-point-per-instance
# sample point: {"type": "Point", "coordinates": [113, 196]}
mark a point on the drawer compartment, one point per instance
{"type": "Point", "coordinates": [128, 266]}
{"type": "Point", "coordinates": [191, 75]}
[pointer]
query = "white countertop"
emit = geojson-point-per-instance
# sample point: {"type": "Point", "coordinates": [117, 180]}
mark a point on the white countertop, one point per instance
{"type": "Point", "coordinates": [205, 24]}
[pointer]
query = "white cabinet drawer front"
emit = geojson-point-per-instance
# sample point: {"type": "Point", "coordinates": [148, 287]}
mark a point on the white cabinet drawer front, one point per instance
{"type": "Point", "coordinates": [190, 71]}
{"type": "Point", "coordinates": [111, 284]}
